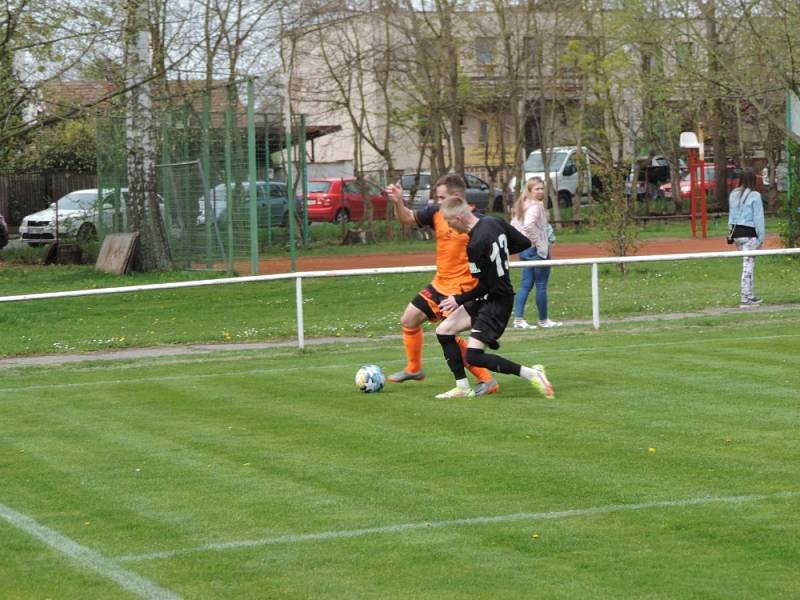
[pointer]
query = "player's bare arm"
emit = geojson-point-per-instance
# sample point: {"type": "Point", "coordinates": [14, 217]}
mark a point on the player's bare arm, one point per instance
{"type": "Point", "coordinates": [404, 214]}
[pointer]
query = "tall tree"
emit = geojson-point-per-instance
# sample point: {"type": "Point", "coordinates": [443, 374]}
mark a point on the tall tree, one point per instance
{"type": "Point", "coordinates": [142, 208]}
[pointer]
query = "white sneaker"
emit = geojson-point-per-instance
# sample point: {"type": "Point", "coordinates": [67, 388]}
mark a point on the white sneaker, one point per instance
{"type": "Point", "coordinates": [457, 392]}
{"type": "Point", "coordinates": [548, 323]}
{"type": "Point", "coordinates": [752, 301]}
{"type": "Point", "coordinates": [522, 324]}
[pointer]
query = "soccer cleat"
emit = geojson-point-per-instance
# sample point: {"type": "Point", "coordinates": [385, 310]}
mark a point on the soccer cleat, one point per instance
{"type": "Point", "coordinates": [404, 375]}
{"type": "Point", "coordinates": [457, 392]}
{"type": "Point", "coordinates": [547, 323]}
{"type": "Point", "coordinates": [484, 388]}
{"type": "Point", "coordinates": [522, 324]}
{"type": "Point", "coordinates": [541, 383]}
{"type": "Point", "coordinates": [753, 301]}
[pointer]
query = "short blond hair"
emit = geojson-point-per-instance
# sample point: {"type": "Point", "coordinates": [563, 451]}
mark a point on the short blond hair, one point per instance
{"type": "Point", "coordinates": [453, 206]}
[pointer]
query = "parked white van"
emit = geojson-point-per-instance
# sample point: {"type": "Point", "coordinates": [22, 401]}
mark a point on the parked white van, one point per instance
{"type": "Point", "coordinates": [563, 172]}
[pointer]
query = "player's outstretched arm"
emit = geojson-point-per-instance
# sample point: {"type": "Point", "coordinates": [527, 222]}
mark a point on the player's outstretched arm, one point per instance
{"type": "Point", "coordinates": [404, 214]}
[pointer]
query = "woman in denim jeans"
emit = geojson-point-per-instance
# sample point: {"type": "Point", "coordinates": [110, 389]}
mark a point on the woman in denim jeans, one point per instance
{"type": "Point", "coordinates": [746, 216]}
{"type": "Point", "coordinates": [529, 216]}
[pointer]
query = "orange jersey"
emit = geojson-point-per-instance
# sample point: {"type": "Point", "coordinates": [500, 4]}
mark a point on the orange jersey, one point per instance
{"type": "Point", "coordinates": [452, 267]}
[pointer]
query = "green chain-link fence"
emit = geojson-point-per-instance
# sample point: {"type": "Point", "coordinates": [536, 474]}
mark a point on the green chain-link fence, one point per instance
{"type": "Point", "coordinates": [221, 173]}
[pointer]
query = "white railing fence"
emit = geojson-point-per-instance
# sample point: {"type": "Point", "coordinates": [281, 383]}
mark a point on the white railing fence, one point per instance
{"type": "Point", "coordinates": [299, 276]}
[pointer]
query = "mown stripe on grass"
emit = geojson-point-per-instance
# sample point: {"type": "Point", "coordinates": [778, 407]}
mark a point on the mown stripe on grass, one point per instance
{"type": "Point", "coordinates": [128, 580]}
{"type": "Point", "coordinates": [485, 520]}
{"type": "Point", "coordinates": [306, 367]}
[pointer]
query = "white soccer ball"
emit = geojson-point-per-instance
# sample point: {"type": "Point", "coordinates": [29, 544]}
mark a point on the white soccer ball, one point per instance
{"type": "Point", "coordinates": [369, 378]}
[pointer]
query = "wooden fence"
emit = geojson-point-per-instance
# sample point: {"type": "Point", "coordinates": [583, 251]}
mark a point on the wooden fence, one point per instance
{"type": "Point", "coordinates": [24, 193]}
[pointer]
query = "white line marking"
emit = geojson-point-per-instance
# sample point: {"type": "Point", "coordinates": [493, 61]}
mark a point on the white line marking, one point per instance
{"type": "Point", "coordinates": [541, 516]}
{"type": "Point", "coordinates": [308, 367]}
{"type": "Point", "coordinates": [128, 580]}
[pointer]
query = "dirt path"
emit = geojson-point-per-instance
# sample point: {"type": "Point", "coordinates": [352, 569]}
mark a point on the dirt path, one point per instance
{"type": "Point", "coordinates": [415, 259]}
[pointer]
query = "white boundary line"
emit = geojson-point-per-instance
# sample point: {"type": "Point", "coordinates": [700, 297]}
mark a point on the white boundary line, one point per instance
{"type": "Point", "coordinates": [128, 580]}
{"type": "Point", "coordinates": [423, 525]}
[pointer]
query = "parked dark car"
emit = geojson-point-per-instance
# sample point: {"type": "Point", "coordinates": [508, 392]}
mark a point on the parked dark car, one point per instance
{"type": "Point", "coordinates": [273, 211]}
{"type": "Point", "coordinates": [340, 200]}
{"type": "Point", "coordinates": [652, 173]}
{"type": "Point", "coordinates": [3, 232]}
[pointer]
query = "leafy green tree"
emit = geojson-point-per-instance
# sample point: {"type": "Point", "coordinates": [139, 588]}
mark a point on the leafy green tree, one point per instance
{"type": "Point", "coordinates": [66, 146]}
{"type": "Point", "coordinates": [11, 100]}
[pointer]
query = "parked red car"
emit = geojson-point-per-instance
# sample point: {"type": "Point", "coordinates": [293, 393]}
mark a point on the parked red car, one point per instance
{"type": "Point", "coordinates": [732, 178]}
{"type": "Point", "coordinates": [339, 200]}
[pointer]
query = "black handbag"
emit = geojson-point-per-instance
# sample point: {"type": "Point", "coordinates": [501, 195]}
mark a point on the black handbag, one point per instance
{"type": "Point", "coordinates": [729, 239]}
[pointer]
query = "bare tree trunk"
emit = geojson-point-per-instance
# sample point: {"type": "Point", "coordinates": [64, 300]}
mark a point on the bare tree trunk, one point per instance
{"type": "Point", "coordinates": [716, 116]}
{"type": "Point", "coordinates": [455, 113]}
{"type": "Point", "coordinates": [142, 207]}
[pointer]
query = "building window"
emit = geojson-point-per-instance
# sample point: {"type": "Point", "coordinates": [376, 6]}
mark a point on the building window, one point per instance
{"type": "Point", "coordinates": [530, 49]}
{"type": "Point", "coordinates": [684, 52]}
{"type": "Point", "coordinates": [651, 61]}
{"type": "Point", "coordinates": [484, 50]}
{"type": "Point", "coordinates": [568, 51]}
{"type": "Point", "coordinates": [483, 132]}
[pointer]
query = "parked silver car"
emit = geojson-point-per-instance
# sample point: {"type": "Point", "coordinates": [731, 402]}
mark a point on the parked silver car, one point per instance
{"type": "Point", "coordinates": [479, 193]}
{"type": "Point", "coordinates": [80, 215]}
{"type": "Point", "coordinates": [77, 215]}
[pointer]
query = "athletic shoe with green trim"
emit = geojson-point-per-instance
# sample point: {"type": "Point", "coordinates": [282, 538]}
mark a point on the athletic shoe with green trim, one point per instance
{"type": "Point", "coordinates": [457, 392]}
{"type": "Point", "coordinates": [541, 383]}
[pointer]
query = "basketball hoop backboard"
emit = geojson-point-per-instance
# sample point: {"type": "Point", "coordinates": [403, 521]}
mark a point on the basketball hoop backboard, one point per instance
{"type": "Point", "coordinates": [689, 140]}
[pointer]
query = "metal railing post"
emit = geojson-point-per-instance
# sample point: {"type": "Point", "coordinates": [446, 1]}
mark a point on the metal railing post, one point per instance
{"type": "Point", "coordinates": [595, 298]}
{"type": "Point", "coordinates": [299, 300]}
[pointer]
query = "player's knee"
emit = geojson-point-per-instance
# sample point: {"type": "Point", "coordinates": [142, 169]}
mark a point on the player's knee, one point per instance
{"type": "Point", "coordinates": [444, 329]}
{"type": "Point", "coordinates": [410, 321]}
{"type": "Point", "coordinates": [475, 356]}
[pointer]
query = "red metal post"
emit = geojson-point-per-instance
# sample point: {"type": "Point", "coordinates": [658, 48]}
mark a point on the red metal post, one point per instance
{"type": "Point", "coordinates": [692, 190]}
{"type": "Point", "coordinates": [703, 213]}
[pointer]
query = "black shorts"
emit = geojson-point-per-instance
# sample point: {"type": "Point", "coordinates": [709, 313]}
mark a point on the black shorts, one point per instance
{"type": "Point", "coordinates": [489, 319]}
{"type": "Point", "coordinates": [427, 300]}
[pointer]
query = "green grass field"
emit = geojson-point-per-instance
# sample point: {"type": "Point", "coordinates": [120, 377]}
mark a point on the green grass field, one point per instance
{"type": "Point", "coordinates": [665, 468]}
{"type": "Point", "coordinates": [345, 306]}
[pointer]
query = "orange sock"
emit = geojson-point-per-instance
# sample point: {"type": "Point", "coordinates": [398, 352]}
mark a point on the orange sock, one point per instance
{"type": "Point", "coordinates": [479, 372]}
{"type": "Point", "coordinates": [412, 340]}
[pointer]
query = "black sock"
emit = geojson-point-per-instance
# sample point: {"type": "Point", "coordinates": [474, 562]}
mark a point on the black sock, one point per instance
{"type": "Point", "coordinates": [493, 362]}
{"type": "Point", "coordinates": [452, 354]}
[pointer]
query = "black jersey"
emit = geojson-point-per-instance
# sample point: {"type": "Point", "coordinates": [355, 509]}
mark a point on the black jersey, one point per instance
{"type": "Point", "coordinates": [491, 242]}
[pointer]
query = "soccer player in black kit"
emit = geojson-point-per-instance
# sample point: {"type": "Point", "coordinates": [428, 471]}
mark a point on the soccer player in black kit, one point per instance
{"type": "Point", "coordinates": [487, 307]}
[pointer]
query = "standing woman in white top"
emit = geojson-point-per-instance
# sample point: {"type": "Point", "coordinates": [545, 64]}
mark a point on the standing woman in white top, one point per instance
{"type": "Point", "coordinates": [746, 217]}
{"type": "Point", "coordinates": [529, 216]}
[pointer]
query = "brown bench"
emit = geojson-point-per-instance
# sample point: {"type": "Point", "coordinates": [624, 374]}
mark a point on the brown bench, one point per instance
{"type": "Point", "coordinates": [645, 219]}
{"type": "Point", "coordinates": [575, 222]}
